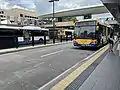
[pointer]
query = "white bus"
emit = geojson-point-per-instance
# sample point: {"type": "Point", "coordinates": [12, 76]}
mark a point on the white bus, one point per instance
{"type": "Point", "coordinates": [24, 33]}
{"type": "Point", "coordinates": [26, 37]}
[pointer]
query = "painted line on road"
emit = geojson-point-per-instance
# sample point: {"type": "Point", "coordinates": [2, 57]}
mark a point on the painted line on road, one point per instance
{"type": "Point", "coordinates": [53, 53]}
{"type": "Point", "coordinates": [57, 79]}
{"type": "Point", "coordinates": [39, 64]}
{"type": "Point", "coordinates": [61, 75]}
{"type": "Point", "coordinates": [71, 77]}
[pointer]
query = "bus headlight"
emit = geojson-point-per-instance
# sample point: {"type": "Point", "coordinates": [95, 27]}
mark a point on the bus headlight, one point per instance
{"type": "Point", "coordinates": [94, 42]}
{"type": "Point", "coordinates": [75, 42]}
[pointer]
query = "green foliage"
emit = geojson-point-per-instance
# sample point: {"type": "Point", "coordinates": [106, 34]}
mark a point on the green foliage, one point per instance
{"type": "Point", "coordinates": [66, 19]}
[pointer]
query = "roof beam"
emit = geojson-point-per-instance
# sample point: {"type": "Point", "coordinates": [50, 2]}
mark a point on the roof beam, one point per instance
{"type": "Point", "coordinates": [98, 9]}
{"type": "Point", "coordinates": [114, 8]}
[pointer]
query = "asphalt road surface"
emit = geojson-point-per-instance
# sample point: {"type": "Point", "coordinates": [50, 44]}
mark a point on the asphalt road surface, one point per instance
{"type": "Point", "coordinates": [30, 69]}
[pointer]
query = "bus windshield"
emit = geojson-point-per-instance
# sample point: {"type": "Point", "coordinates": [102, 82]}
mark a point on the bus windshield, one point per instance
{"type": "Point", "coordinates": [85, 31]}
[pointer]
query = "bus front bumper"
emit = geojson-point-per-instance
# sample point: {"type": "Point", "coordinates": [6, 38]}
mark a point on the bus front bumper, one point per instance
{"type": "Point", "coordinates": [84, 45]}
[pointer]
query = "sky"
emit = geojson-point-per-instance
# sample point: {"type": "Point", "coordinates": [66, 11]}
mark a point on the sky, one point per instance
{"type": "Point", "coordinates": [43, 6]}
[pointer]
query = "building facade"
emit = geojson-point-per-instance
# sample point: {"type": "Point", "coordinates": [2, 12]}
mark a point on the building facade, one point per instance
{"type": "Point", "coordinates": [18, 16]}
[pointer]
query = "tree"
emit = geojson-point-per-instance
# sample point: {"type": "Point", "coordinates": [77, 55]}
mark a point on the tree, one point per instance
{"type": "Point", "coordinates": [66, 19]}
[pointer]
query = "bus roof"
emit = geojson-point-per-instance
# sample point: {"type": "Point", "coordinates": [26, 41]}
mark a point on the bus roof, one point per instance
{"type": "Point", "coordinates": [44, 29]}
{"type": "Point", "coordinates": [99, 21]}
{"type": "Point", "coordinates": [31, 28]}
{"type": "Point", "coordinates": [9, 27]}
{"type": "Point", "coordinates": [23, 28]}
{"type": "Point", "coordinates": [34, 28]}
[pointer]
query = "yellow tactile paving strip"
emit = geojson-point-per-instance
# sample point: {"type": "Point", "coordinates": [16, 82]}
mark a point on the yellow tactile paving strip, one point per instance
{"type": "Point", "coordinates": [71, 77]}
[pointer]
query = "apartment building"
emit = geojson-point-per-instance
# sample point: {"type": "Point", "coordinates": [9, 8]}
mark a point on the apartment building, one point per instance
{"type": "Point", "coordinates": [18, 15]}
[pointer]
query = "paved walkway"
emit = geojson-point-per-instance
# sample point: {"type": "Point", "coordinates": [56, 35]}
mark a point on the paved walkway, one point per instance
{"type": "Point", "coordinates": [106, 76]}
{"type": "Point", "coordinates": [101, 72]}
{"type": "Point", "coordinates": [75, 79]}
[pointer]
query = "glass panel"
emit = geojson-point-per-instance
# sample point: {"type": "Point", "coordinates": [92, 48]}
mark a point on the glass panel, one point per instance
{"type": "Point", "coordinates": [85, 32]}
{"type": "Point", "coordinates": [85, 29]}
{"type": "Point", "coordinates": [26, 35]}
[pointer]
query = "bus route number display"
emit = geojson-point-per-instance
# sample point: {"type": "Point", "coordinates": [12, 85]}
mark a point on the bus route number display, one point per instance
{"type": "Point", "coordinates": [85, 23]}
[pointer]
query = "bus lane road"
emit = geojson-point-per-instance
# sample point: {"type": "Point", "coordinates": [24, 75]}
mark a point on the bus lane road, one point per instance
{"type": "Point", "coordinates": [31, 69]}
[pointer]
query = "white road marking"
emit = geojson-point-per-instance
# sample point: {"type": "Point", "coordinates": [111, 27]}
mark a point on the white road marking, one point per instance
{"type": "Point", "coordinates": [68, 70]}
{"type": "Point", "coordinates": [62, 74]}
{"type": "Point", "coordinates": [39, 64]}
{"type": "Point", "coordinates": [41, 88]}
{"type": "Point", "coordinates": [51, 53]}
{"type": "Point", "coordinates": [50, 64]}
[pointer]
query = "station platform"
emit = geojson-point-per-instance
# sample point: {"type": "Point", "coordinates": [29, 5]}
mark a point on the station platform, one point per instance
{"type": "Point", "coordinates": [106, 76]}
{"type": "Point", "coordinates": [102, 74]}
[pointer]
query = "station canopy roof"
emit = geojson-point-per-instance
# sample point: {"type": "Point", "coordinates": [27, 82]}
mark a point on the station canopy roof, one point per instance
{"type": "Point", "coordinates": [95, 9]}
{"type": "Point", "coordinates": [114, 7]}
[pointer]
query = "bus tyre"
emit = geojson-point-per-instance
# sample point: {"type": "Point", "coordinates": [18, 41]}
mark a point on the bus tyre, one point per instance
{"type": "Point", "coordinates": [41, 40]}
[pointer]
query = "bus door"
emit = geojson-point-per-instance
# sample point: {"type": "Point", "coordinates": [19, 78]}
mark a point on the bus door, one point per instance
{"type": "Point", "coordinates": [98, 34]}
{"type": "Point", "coordinates": [104, 34]}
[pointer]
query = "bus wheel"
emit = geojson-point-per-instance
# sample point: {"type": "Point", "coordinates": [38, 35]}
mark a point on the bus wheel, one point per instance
{"type": "Point", "coordinates": [41, 40]}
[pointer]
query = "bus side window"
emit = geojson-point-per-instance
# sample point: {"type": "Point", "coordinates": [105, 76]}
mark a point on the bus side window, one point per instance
{"type": "Point", "coordinates": [26, 35]}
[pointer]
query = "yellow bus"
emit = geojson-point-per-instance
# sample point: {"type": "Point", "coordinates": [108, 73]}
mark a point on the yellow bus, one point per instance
{"type": "Point", "coordinates": [65, 33]}
{"type": "Point", "coordinates": [91, 33]}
